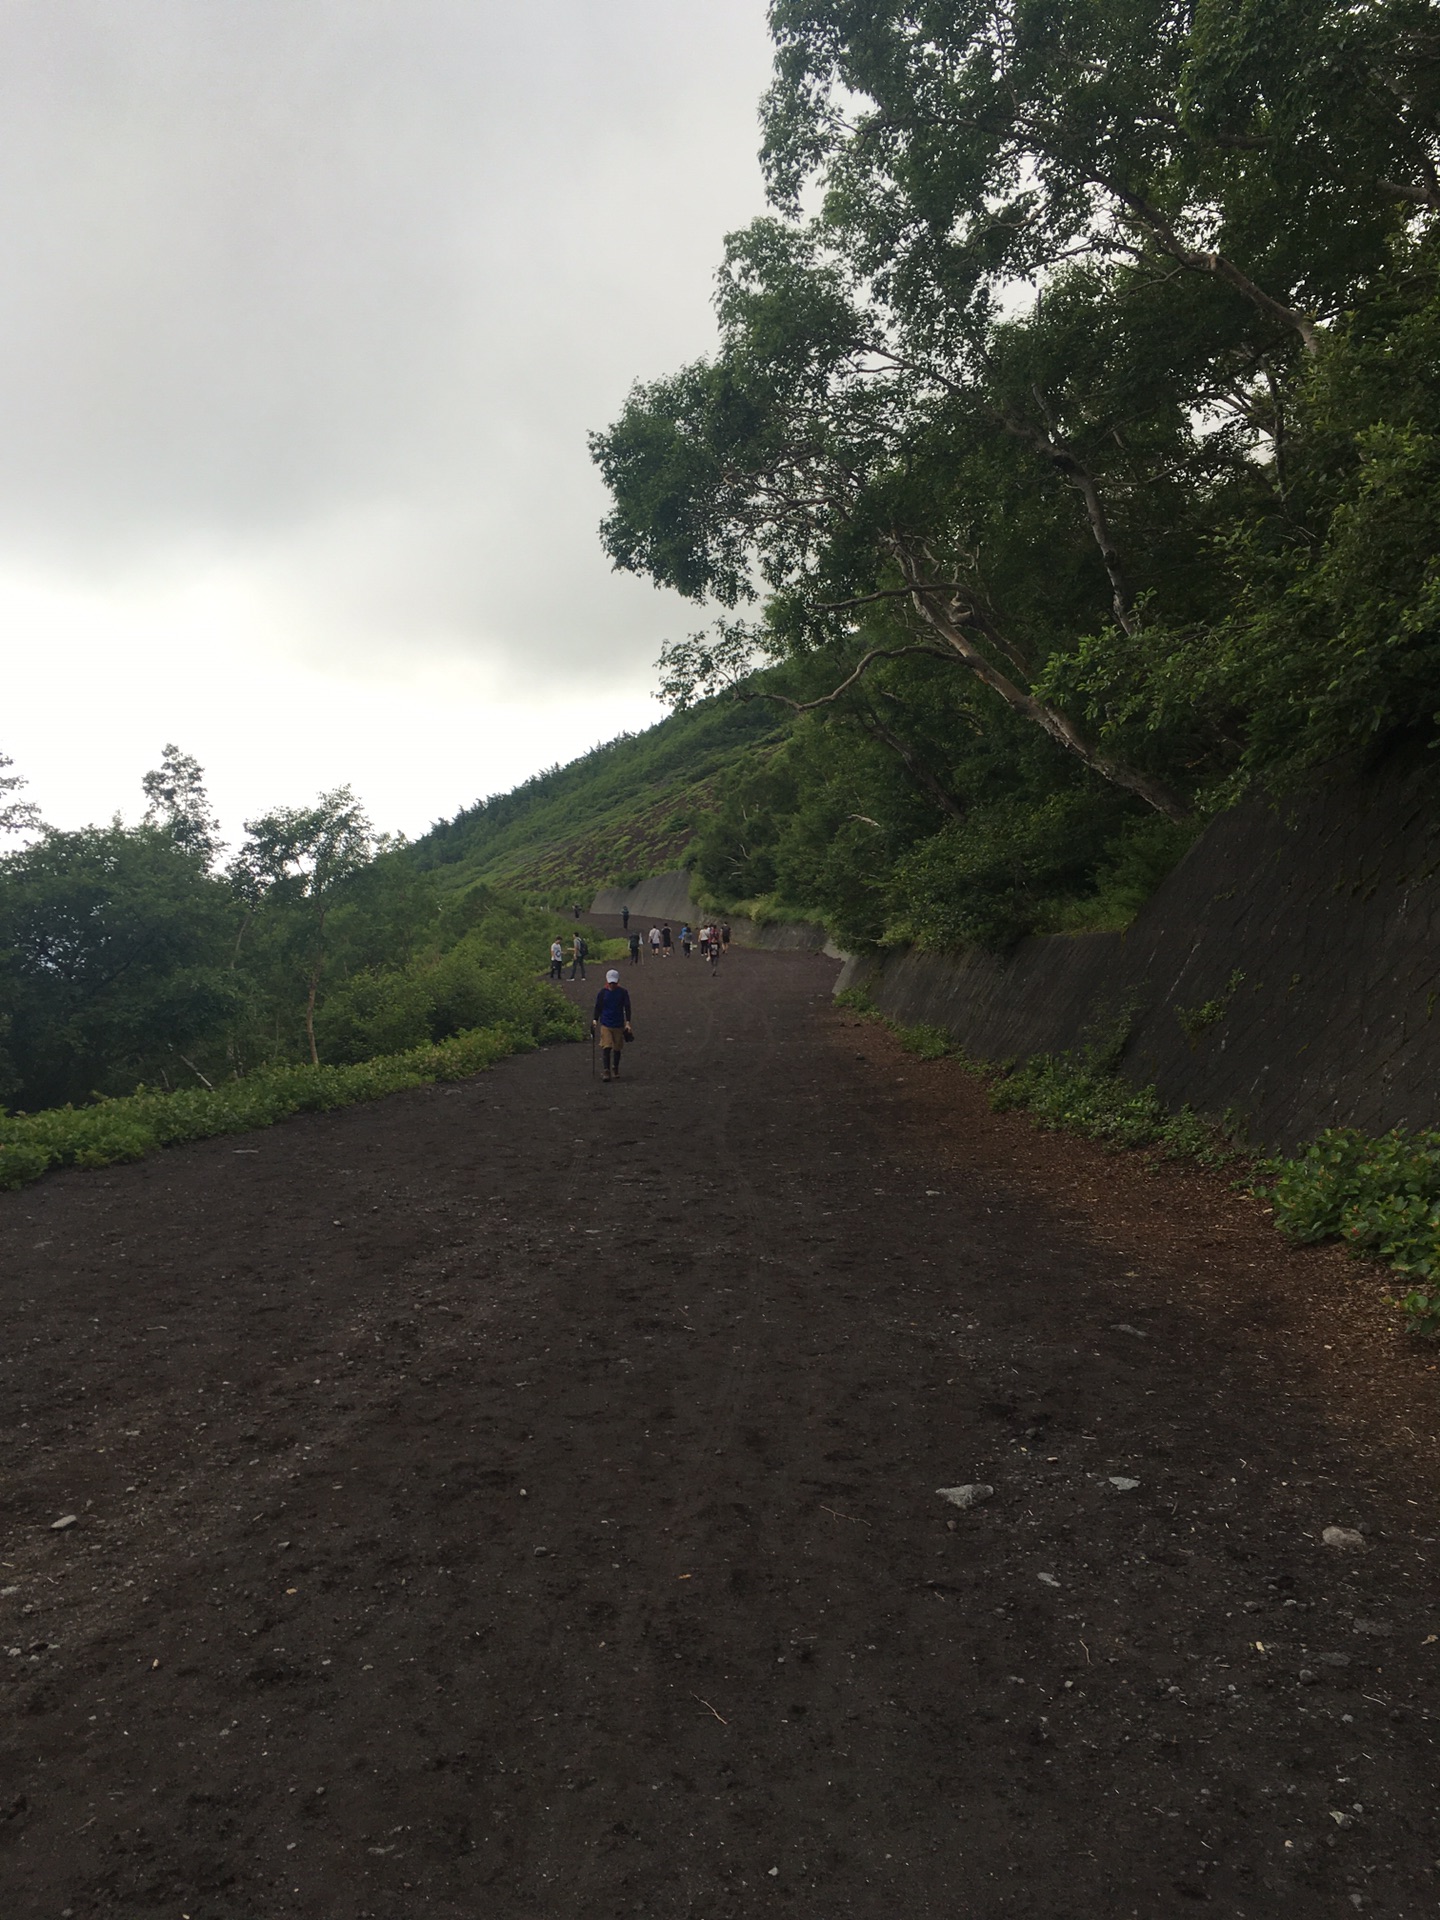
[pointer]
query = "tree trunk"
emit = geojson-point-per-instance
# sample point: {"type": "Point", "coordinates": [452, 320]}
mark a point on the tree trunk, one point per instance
{"type": "Point", "coordinates": [317, 967]}
{"type": "Point", "coordinates": [949, 623]}
{"type": "Point", "coordinates": [1217, 265]}
{"type": "Point", "coordinates": [1075, 474]}
{"type": "Point", "coordinates": [310, 1016]}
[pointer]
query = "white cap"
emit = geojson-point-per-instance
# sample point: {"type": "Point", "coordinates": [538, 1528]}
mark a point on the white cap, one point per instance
{"type": "Point", "coordinates": [612, 978]}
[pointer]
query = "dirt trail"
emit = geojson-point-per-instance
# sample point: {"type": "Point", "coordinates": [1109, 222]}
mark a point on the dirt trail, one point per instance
{"type": "Point", "coordinates": [519, 1499]}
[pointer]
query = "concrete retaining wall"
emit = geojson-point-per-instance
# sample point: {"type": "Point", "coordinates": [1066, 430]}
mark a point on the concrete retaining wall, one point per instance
{"type": "Point", "coordinates": [667, 897]}
{"type": "Point", "coordinates": [1287, 973]}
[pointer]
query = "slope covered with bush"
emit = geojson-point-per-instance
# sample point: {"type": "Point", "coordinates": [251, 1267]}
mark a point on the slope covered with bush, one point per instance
{"type": "Point", "coordinates": [625, 810]}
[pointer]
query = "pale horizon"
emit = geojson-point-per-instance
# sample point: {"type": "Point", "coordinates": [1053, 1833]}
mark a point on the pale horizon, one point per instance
{"type": "Point", "coordinates": [310, 312]}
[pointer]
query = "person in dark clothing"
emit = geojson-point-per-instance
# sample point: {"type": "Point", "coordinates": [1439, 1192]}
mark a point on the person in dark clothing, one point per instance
{"type": "Point", "coordinates": [667, 940]}
{"type": "Point", "coordinates": [578, 955]}
{"type": "Point", "coordinates": [625, 918]}
{"type": "Point", "coordinates": [612, 1022]}
{"type": "Point", "coordinates": [634, 949]}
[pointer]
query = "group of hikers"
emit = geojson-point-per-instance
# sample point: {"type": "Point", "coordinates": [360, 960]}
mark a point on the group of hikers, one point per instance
{"type": "Point", "coordinates": [711, 941]}
{"type": "Point", "coordinates": [610, 1023]}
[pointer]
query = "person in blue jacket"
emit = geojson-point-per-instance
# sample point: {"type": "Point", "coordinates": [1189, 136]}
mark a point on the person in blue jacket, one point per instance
{"type": "Point", "coordinates": [612, 1023]}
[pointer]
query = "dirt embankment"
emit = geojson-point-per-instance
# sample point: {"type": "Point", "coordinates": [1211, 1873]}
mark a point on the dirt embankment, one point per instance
{"type": "Point", "coordinates": [520, 1498]}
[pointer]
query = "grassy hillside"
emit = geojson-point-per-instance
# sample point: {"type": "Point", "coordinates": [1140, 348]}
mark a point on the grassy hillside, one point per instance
{"type": "Point", "coordinates": [620, 812]}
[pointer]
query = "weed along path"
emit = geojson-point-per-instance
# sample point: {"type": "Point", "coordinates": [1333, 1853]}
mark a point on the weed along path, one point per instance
{"type": "Point", "coordinates": [519, 1499]}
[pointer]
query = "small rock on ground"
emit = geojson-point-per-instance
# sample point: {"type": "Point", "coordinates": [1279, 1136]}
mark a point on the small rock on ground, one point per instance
{"type": "Point", "coordinates": [969, 1495]}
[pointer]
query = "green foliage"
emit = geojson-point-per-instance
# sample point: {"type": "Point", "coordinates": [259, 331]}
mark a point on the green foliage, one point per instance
{"type": "Point", "coordinates": [1070, 1091]}
{"type": "Point", "coordinates": [921, 814]}
{"type": "Point", "coordinates": [990, 879]}
{"type": "Point", "coordinates": [16, 816]}
{"type": "Point", "coordinates": [486, 978]}
{"type": "Point", "coordinates": [143, 1122]}
{"type": "Point", "coordinates": [1196, 1020]}
{"type": "Point", "coordinates": [927, 1042]}
{"type": "Point", "coordinates": [1380, 1196]}
{"type": "Point", "coordinates": [125, 959]}
{"type": "Point", "coordinates": [1138, 856]}
{"type": "Point", "coordinates": [1081, 447]}
{"type": "Point", "coordinates": [616, 815]}
{"type": "Point", "coordinates": [114, 947]}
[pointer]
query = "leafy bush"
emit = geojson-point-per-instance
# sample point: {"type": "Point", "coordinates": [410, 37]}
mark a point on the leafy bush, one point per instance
{"type": "Point", "coordinates": [141, 1123]}
{"type": "Point", "coordinates": [1381, 1197]}
{"type": "Point", "coordinates": [1001, 873]}
{"type": "Point", "coordinates": [477, 983]}
{"type": "Point", "coordinates": [927, 1042]}
{"type": "Point", "coordinates": [1070, 1091]}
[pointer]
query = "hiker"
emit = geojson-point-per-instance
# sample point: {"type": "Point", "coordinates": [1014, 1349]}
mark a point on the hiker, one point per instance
{"type": "Point", "coordinates": [612, 1023]}
{"type": "Point", "coordinates": [577, 911]}
{"type": "Point", "coordinates": [634, 949]}
{"type": "Point", "coordinates": [685, 939]}
{"type": "Point", "coordinates": [578, 956]}
{"type": "Point", "coordinates": [725, 936]}
{"type": "Point", "coordinates": [654, 943]}
{"type": "Point", "coordinates": [667, 944]}
{"type": "Point", "coordinates": [625, 918]}
{"type": "Point", "coordinates": [705, 942]}
{"type": "Point", "coordinates": [557, 958]}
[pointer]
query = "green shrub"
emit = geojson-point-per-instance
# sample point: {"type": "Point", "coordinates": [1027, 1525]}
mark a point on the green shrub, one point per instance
{"type": "Point", "coordinates": [927, 1042]}
{"type": "Point", "coordinates": [858, 1000]}
{"type": "Point", "coordinates": [1070, 1091]}
{"type": "Point", "coordinates": [126, 1129]}
{"type": "Point", "coordinates": [1380, 1196]}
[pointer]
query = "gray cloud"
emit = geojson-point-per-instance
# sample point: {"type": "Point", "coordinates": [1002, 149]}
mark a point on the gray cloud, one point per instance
{"type": "Point", "coordinates": [324, 294]}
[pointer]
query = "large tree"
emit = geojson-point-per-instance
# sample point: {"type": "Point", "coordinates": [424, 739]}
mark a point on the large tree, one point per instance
{"type": "Point", "coordinates": [1035, 370]}
{"type": "Point", "coordinates": [994, 507]}
{"type": "Point", "coordinates": [294, 862]}
{"type": "Point", "coordinates": [111, 941]}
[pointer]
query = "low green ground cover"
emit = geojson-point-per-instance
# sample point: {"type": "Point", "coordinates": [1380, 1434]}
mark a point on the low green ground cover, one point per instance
{"type": "Point", "coordinates": [1381, 1197]}
{"type": "Point", "coordinates": [141, 1123]}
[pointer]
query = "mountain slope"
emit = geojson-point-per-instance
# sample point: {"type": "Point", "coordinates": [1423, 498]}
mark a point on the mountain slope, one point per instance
{"type": "Point", "coordinates": [624, 810]}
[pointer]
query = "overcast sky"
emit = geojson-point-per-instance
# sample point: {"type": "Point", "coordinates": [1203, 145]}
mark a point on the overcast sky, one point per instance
{"type": "Point", "coordinates": [307, 308]}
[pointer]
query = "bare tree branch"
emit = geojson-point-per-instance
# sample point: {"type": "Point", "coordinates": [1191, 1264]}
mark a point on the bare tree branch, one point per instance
{"type": "Point", "coordinates": [875, 653]}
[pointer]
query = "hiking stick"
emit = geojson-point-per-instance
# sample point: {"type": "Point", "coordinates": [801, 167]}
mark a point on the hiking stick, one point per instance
{"type": "Point", "coordinates": [592, 1049]}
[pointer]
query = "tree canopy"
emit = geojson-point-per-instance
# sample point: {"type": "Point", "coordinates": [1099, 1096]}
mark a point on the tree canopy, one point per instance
{"type": "Point", "coordinates": [1088, 351]}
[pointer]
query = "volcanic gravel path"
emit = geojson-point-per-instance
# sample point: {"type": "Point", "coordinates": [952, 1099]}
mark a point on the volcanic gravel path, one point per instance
{"type": "Point", "coordinates": [519, 1500]}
